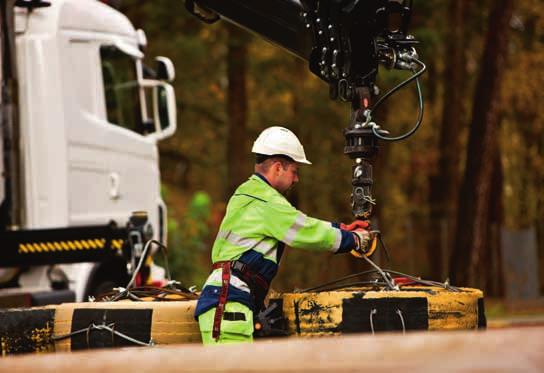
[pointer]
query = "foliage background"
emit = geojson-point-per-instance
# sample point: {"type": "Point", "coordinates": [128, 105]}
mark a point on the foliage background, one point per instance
{"type": "Point", "coordinates": [281, 91]}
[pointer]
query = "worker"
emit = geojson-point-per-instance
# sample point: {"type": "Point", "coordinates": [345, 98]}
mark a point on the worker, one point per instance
{"type": "Point", "coordinates": [258, 223]}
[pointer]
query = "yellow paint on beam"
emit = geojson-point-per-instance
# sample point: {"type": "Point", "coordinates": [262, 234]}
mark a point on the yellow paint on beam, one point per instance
{"type": "Point", "coordinates": [312, 314]}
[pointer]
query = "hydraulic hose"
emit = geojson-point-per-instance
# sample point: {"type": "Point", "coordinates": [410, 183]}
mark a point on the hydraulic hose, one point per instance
{"type": "Point", "coordinates": [421, 106]}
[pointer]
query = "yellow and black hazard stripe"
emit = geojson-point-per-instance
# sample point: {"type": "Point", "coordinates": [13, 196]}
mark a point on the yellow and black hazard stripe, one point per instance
{"type": "Point", "coordinates": [117, 244]}
{"type": "Point", "coordinates": [360, 310]}
{"type": "Point", "coordinates": [87, 244]}
{"type": "Point", "coordinates": [39, 247]}
{"type": "Point", "coordinates": [60, 245]}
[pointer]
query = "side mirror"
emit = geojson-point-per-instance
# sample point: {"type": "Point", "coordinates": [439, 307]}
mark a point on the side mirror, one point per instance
{"type": "Point", "coordinates": [164, 110]}
{"type": "Point", "coordinates": [165, 69]}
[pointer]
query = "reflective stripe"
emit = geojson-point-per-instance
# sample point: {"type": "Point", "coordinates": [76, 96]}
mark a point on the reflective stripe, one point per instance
{"type": "Point", "coordinates": [293, 230]}
{"type": "Point", "coordinates": [337, 240]}
{"type": "Point", "coordinates": [270, 253]}
{"type": "Point", "coordinates": [215, 280]}
{"type": "Point", "coordinates": [268, 249]}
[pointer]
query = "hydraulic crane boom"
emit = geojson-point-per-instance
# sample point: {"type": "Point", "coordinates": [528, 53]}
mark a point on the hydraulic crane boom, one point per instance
{"type": "Point", "coordinates": [278, 21]}
{"type": "Point", "coordinates": [344, 42]}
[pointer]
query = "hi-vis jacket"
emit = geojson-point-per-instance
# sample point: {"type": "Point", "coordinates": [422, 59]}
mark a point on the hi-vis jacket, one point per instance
{"type": "Point", "coordinates": [259, 221]}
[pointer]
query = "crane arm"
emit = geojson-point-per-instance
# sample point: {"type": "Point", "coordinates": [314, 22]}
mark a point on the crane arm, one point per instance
{"type": "Point", "coordinates": [344, 42]}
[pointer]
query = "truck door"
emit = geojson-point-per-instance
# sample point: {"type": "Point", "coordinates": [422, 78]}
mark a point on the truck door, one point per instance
{"type": "Point", "coordinates": [113, 165]}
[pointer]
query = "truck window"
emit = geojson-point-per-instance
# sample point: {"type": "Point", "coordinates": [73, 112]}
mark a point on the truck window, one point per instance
{"type": "Point", "coordinates": [121, 89]}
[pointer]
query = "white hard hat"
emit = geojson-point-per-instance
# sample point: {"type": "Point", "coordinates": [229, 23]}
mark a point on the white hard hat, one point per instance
{"type": "Point", "coordinates": [280, 140]}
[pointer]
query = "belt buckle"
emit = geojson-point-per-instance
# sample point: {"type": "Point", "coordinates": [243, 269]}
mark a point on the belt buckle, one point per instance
{"type": "Point", "coordinates": [239, 266]}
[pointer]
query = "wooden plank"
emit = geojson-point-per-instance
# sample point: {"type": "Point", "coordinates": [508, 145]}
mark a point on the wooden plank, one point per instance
{"type": "Point", "coordinates": [492, 350]}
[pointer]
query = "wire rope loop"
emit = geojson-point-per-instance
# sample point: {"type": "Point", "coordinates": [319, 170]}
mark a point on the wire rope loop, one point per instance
{"type": "Point", "coordinates": [110, 328]}
{"type": "Point", "coordinates": [112, 334]}
{"type": "Point", "coordinates": [399, 312]}
{"type": "Point", "coordinates": [372, 313]}
{"type": "Point", "coordinates": [88, 335]}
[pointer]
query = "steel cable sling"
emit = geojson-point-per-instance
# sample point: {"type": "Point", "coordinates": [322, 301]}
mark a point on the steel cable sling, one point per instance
{"type": "Point", "coordinates": [172, 291]}
{"type": "Point", "coordinates": [101, 327]}
{"type": "Point", "coordinates": [386, 282]}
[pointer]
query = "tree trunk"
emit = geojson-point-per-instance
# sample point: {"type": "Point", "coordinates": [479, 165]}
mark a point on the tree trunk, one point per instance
{"type": "Point", "coordinates": [237, 152]}
{"type": "Point", "coordinates": [472, 216]}
{"type": "Point", "coordinates": [491, 273]}
{"type": "Point", "coordinates": [298, 75]}
{"type": "Point", "coordinates": [538, 221]}
{"type": "Point", "coordinates": [445, 183]}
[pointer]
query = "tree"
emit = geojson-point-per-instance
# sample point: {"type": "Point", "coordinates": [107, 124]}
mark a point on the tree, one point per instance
{"type": "Point", "coordinates": [445, 183]}
{"type": "Point", "coordinates": [236, 107]}
{"type": "Point", "coordinates": [474, 198]}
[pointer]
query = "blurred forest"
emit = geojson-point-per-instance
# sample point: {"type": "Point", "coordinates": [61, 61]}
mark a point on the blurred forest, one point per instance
{"type": "Point", "coordinates": [448, 198]}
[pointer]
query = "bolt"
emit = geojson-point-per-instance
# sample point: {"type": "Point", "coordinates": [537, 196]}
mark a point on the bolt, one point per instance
{"type": "Point", "coordinates": [307, 25]}
{"type": "Point", "coordinates": [320, 32]}
{"type": "Point", "coordinates": [331, 39]}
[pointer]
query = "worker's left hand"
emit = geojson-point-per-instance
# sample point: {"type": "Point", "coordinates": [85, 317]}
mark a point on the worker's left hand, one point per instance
{"type": "Point", "coordinates": [362, 240]}
{"type": "Point", "coordinates": [354, 225]}
{"type": "Point", "coordinates": [366, 243]}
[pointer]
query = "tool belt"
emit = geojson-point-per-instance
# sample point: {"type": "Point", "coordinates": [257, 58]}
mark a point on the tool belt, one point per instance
{"type": "Point", "coordinates": [257, 285]}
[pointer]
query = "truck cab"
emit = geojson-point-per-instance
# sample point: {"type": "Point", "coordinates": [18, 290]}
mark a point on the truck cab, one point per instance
{"type": "Point", "coordinates": [90, 116]}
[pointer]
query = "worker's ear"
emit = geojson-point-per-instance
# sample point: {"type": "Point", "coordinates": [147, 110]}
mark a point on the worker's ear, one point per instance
{"type": "Point", "coordinates": [277, 166]}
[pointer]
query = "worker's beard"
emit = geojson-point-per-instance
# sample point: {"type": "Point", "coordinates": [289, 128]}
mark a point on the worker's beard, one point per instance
{"type": "Point", "coordinates": [291, 195]}
{"type": "Point", "coordinates": [285, 191]}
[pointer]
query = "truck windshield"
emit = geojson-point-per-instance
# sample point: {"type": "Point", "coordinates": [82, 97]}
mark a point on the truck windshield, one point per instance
{"type": "Point", "coordinates": [121, 89]}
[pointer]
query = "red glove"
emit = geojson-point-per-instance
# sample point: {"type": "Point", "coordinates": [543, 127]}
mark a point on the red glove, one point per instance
{"type": "Point", "coordinates": [356, 224]}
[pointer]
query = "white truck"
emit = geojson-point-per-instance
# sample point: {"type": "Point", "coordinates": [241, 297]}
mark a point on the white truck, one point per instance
{"type": "Point", "coordinates": [80, 120]}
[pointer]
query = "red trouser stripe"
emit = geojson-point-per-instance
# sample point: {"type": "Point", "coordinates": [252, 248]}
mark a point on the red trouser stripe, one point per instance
{"type": "Point", "coordinates": [225, 280]}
